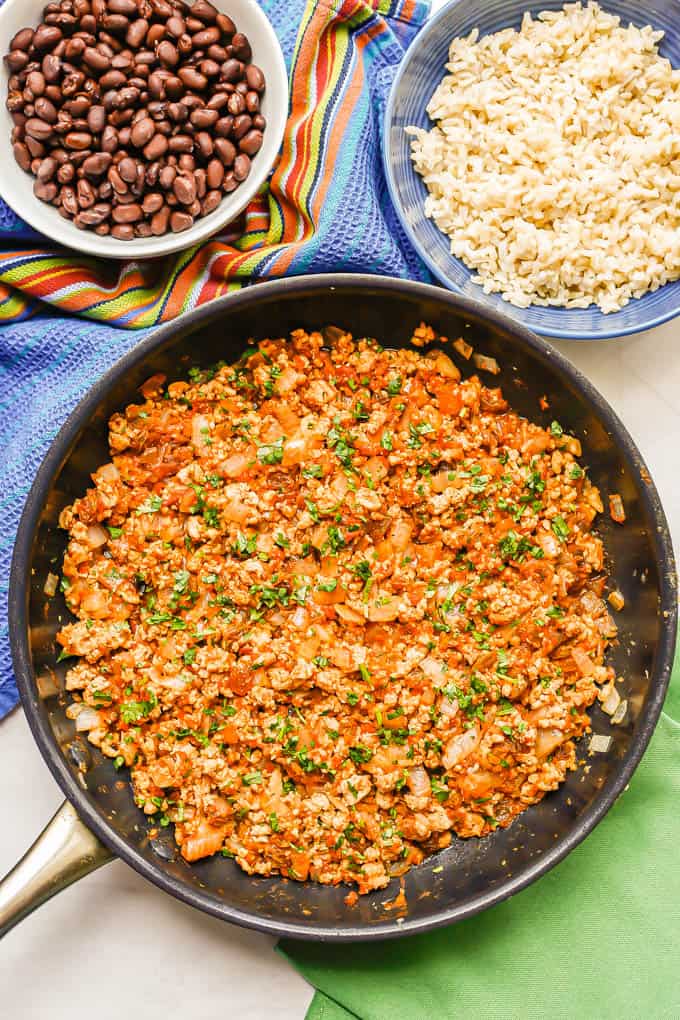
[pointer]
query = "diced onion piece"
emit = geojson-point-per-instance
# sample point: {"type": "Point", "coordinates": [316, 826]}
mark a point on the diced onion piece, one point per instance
{"type": "Point", "coordinates": [584, 663]}
{"type": "Point", "coordinates": [204, 843]}
{"type": "Point", "coordinates": [611, 701]}
{"type": "Point", "coordinates": [348, 614]}
{"type": "Point", "coordinates": [108, 472]}
{"type": "Point", "coordinates": [287, 381]}
{"type": "Point", "coordinates": [173, 683]}
{"type": "Point", "coordinates": [591, 603]}
{"type": "Point", "coordinates": [400, 534]}
{"type": "Point", "coordinates": [433, 669]}
{"type": "Point", "coordinates": [599, 743]}
{"type": "Point", "coordinates": [448, 709]}
{"type": "Point", "coordinates": [96, 536]}
{"type": "Point", "coordinates": [51, 585]}
{"type": "Point", "coordinates": [418, 781]}
{"type": "Point", "coordinates": [342, 658]}
{"type": "Point", "coordinates": [236, 464]}
{"type": "Point", "coordinates": [384, 609]}
{"type": "Point", "coordinates": [547, 740]}
{"type": "Point", "coordinates": [549, 544]}
{"type": "Point", "coordinates": [445, 367]}
{"type": "Point", "coordinates": [88, 719]}
{"type": "Point", "coordinates": [300, 617]}
{"type": "Point", "coordinates": [298, 449]}
{"type": "Point", "coordinates": [620, 713]}
{"type": "Point", "coordinates": [486, 364]}
{"type": "Point", "coordinates": [200, 428]}
{"type": "Point", "coordinates": [616, 508]}
{"type": "Point", "coordinates": [616, 600]}
{"type": "Point", "coordinates": [460, 747]}
{"type": "Point", "coordinates": [465, 350]}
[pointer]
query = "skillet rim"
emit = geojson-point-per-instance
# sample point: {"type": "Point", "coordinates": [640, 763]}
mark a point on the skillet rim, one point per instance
{"type": "Point", "coordinates": [20, 586]}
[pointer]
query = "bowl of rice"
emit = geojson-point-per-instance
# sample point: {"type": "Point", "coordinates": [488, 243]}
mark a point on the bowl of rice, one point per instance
{"type": "Point", "coordinates": [532, 152]}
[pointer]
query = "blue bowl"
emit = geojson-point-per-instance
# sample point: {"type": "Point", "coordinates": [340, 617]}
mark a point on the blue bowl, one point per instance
{"type": "Point", "coordinates": [421, 71]}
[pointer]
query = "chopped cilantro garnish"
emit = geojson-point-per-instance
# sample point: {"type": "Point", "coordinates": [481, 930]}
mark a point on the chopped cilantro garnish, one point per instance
{"type": "Point", "coordinates": [133, 711]}
{"type": "Point", "coordinates": [252, 778]}
{"type": "Point", "coordinates": [151, 506]}
{"type": "Point", "coordinates": [440, 790]}
{"type": "Point", "coordinates": [360, 755]}
{"type": "Point", "coordinates": [560, 528]}
{"type": "Point", "coordinates": [271, 453]}
{"type": "Point", "coordinates": [244, 546]}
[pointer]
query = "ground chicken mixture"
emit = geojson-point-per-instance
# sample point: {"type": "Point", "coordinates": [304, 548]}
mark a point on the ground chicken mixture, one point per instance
{"type": "Point", "coordinates": [334, 603]}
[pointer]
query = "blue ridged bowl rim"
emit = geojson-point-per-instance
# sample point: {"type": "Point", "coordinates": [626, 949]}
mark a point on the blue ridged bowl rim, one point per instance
{"type": "Point", "coordinates": [644, 313]}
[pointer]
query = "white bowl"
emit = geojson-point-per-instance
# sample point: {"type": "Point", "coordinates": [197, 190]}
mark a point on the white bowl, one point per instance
{"type": "Point", "coordinates": [16, 186]}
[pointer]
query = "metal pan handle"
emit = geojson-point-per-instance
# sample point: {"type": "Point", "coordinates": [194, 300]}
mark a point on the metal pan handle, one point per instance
{"type": "Point", "coordinates": [64, 851]}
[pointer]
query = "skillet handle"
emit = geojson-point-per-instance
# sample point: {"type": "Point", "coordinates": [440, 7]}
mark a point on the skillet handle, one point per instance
{"type": "Point", "coordinates": [64, 851]}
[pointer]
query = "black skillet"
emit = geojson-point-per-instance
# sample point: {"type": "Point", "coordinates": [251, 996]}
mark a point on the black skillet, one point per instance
{"type": "Point", "coordinates": [469, 876]}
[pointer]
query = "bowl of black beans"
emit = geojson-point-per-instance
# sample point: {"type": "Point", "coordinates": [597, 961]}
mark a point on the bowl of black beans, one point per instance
{"type": "Point", "coordinates": [135, 128]}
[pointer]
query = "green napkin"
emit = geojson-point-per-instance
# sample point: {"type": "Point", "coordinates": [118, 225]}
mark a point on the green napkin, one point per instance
{"type": "Point", "coordinates": [596, 938]}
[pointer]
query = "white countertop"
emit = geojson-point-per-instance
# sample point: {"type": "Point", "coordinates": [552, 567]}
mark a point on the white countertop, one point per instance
{"type": "Point", "coordinates": [115, 943]}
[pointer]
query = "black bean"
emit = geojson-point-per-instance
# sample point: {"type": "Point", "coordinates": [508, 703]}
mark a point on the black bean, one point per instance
{"type": "Point", "coordinates": [46, 37]}
{"type": "Point", "coordinates": [241, 166]}
{"type": "Point", "coordinates": [167, 54]}
{"type": "Point", "coordinates": [204, 11]}
{"type": "Point", "coordinates": [96, 165]}
{"type": "Point", "coordinates": [22, 155]}
{"type": "Point", "coordinates": [180, 221]}
{"type": "Point", "coordinates": [39, 129]}
{"type": "Point", "coordinates": [240, 47]}
{"type": "Point", "coordinates": [142, 132]}
{"type": "Point", "coordinates": [156, 148]}
{"type": "Point", "coordinates": [79, 140]}
{"type": "Point", "coordinates": [211, 201]}
{"type": "Point", "coordinates": [47, 169]}
{"type": "Point", "coordinates": [45, 110]}
{"type": "Point", "coordinates": [255, 78]}
{"type": "Point", "coordinates": [22, 40]}
{"type": "Point", "coordinates": [251, 143]}
{"type": "Point", "coordinates": [45, 190]}
{"type": "Point", "coordinates": [226, 150]}
{"type": "Point", "coordinates": [160, 220]}
{"type": "Point", "coordinates": [242, 126]}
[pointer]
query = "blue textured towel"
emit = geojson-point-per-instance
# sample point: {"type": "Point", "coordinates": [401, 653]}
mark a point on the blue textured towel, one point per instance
{"type": "Point", "coordinates": [48, 361]}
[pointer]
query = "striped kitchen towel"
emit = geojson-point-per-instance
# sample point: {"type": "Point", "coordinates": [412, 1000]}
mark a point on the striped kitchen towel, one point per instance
{"type": "Point", "coordinates": [324, 209]}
